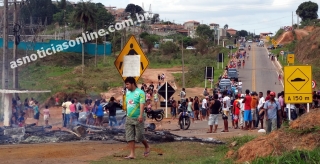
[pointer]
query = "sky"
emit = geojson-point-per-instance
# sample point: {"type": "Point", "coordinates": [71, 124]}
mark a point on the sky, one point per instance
{"type": "Point", "coordinates": [250, 15]}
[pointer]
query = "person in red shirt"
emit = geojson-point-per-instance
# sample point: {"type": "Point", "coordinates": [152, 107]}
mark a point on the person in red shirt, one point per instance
{"type": "Point", "coordinates": [268, 95]}
{"type": "Point", "coordinates": [236, 111]}
{"type": "Point", "coordinates": [247, 110]}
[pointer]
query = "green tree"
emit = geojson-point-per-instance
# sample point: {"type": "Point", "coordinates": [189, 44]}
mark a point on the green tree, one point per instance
{"type": "Point", "coordinates": [102, 16]}
{"type": "Point", "coordinates": [307, 11]}
{"type": "Point", "coordinates": [133, 9]}
{"type": "Point", "coordinates": [143, 34]}
{"type": "Point", "coordinates": [202, 46]}
{"type": "Point", "coordinates": [43, 9]}
{"type": "Point", "coordinates": [85, 13]}
{"type": "Point", "coordinates": [204, 31]}
{"type": "Point", "coordinates": [155, 18]}
{"type": "Point", "coordinates": [226, 26]}
{"type": "Point", "coordinates": [242, 33]}
{"type": "Point", "coordinates": [169, 48]}
{"type": "Point", "coordinates": [150, 40]}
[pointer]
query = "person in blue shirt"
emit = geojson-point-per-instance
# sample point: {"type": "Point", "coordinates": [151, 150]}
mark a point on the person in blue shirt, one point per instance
{"type": "Point", "coordinates": [272, 109]}
{"type": "Point", "coordinates": [99, 113]}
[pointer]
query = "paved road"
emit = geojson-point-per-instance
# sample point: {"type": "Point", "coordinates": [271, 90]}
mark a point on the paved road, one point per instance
{"type": "Point", "coordinates": [259, 73]}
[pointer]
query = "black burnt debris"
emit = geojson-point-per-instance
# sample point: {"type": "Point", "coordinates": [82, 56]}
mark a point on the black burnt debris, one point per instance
{"type": "Point", "coordinates": [40, 134]}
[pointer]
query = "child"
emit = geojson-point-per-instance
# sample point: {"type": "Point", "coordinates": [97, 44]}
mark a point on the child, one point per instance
{"type": "Point", "coordinates": [149, 106]}
{"type": "Point", "coordinates": [57, 100]}
{"type": "Point", "coordinates": [46, 115]}
{"type": "Point", "coordinates": [21, 120]}
{"type": "Point", "coordinates": [36, 112]}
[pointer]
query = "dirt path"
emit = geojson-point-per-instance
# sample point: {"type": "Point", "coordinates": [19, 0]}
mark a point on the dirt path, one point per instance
{"type": "Point", "coordinates": [52, 153]}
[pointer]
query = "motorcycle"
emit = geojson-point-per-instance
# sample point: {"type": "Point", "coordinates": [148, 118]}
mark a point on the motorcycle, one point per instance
{"type": "Point", "coordinates": [155, 114]}
{"type": "Point", "coordinates": [249, 48]}
{"type": "Point", "coordinates": [184, 119]}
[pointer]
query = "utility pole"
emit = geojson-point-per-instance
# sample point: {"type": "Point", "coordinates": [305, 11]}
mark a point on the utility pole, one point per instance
{"type": "Point", "coordinates": [297, 22]}
{"type": "Point", "coordinates": [82, 68]}
{"type": "Point", "coordinates": [96, 49]}
{"type": "Point", "coordinates": [292, 21]}
{"type": "Point", "coordinates": [16, 29]}
{"type": "Point", "coordinates": [64, 19]}
{"type": "Point", "coordinates": [5, 64]}
{"type": "Point", "coordinates": [183, 79]}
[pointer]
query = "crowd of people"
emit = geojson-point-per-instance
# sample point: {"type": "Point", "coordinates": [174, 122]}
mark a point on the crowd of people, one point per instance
{"type": "Point", "coordinates": [29, 109]}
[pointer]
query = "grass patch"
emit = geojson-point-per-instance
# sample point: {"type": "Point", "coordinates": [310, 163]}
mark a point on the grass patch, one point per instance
{"type": "Point", "coordinates": [196, 67]}
{"type": "Point", "coordinates": [299, 156]}
{"type": "Point", "coordinates": [175, 152]}
{"type": "Point", "coordinates": [241, 140]}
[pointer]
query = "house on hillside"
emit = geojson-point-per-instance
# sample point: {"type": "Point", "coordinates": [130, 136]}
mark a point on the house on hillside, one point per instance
{"type": "Point", "coordinates": [231, 31]}
{"type": "Point", "coordinates": [264, 34]}
{"type": "Point", "coordinates": [213, 26]}
{"type": "Point", "coordinates": [119, 14]}
{"type": "Point", "coordinates": [191, 26]}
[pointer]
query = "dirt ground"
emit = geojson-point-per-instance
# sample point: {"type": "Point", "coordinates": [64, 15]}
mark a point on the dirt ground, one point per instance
{"type": "Point", "coordinates": [52, 153]}
{"type": "Point", "coordinates": [302, 134]}
{"type": "Point", "coordinates": [288, 37]}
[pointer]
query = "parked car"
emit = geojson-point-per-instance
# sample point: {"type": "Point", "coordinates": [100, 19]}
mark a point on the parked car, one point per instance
{"type": "Point", "coordinates": [120, 116]}
{"type": "Point", "coordinates": [190, 48]}
{"type": "Point", "coordinates": [241, 47]}
{"type": "Point", "coordinates": [249, 41]}
{"type": "Point", "coordinates": [271, 47]}
{"type": "Point", "coordinates": [279, 46]}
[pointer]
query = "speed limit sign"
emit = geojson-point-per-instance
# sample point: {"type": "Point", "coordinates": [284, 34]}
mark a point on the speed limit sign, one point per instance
{"type": "Point", "coordinates": [313, 84]}
{"type": "Point", "coordinates": [282, 52]}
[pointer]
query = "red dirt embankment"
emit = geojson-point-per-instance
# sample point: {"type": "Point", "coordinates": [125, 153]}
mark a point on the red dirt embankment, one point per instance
{"type": "Point", "coordinates": [297, 137]}
{"type": "Point", "coordinates": [288, 37]}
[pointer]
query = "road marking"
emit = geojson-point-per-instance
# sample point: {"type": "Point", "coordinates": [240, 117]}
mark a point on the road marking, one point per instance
{"type": "Point", "coordinates": [276, 69]}
{"type": "Point", "coordinates": [253, 70]}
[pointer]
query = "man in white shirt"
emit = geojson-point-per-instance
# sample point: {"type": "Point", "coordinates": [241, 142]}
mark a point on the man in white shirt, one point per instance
{"type": "Point", "coordinates": [260, 106]}
{"type": "Point", "coordinates": [204, 107]}
{"type": "Point", "coordinates": [225, 109]}
{"type": "Point", "coordinates": [240, 87]}
{"type": "Point", "coordinates": [241, 117]}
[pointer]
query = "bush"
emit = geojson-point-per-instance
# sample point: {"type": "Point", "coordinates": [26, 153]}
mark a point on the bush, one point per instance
{"type": "Point", "coordinates": [169, 48]}
{"type": "Point", "coordinates": [104, 86]}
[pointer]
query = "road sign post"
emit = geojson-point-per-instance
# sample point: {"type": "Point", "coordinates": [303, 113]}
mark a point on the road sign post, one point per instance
{"type": "Point", "coordinates": [166, 91]}
{"type": "Point", "coordinates": [297, 85]}
{"type": "Point", "coordinates": [131, 61]}
{"type": "Point", "coordinates": [290, 59]}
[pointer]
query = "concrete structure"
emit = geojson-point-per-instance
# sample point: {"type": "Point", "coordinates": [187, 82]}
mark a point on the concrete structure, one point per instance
{"type": "Point", "coordinates": [232, 31]}
{"type": "Point", "coordinates": [7, 106]}
{"type": "Point", "coordinates": [264, 34]}
{"type": "Point", "coordinates": [214, 26]}
{"type": "Point", "coordinates": [222, 33]}
{"type": "Point", "coordinates": [191, 26]}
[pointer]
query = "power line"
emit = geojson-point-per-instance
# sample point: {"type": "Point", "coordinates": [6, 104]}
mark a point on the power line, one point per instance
{"type": "Point", "coordinates": [264, 21]}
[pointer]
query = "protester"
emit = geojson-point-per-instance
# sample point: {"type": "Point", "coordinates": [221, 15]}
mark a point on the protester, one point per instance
{"type": "Point", "coordinates": [214, 108]}
{"type": "Point", "coordinates": [46, 115]}
{"type": "Point", "coordinates": [135, 100]}
{"type": "Point", "coordinates": [271, 108]}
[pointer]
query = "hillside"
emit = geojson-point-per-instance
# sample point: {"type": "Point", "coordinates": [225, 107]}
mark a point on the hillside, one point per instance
{"type": "Point", "coordinates": [288, 36]}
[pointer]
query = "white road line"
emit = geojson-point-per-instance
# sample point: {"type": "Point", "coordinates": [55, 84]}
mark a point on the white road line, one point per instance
{"type": "Point", "coordinates": [276, 68]}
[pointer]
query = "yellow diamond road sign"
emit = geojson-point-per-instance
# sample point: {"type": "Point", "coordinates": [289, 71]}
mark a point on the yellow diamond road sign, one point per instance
{"type": "Point", "coordinates": [131, 62]}
{"type": "Point", "coordinates": [298, 84]}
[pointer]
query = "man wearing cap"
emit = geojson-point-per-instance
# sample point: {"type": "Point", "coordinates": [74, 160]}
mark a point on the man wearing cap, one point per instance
{"type": "Point", "coordinates": [271, 108]}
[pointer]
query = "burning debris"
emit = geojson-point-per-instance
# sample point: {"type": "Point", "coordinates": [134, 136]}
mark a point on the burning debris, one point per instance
{"type": "Point", "coordinates": [80, 132]}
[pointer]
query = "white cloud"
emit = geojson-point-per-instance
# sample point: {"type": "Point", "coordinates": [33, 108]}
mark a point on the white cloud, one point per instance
{"type": "Point", "coordinates": [258, 15]}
